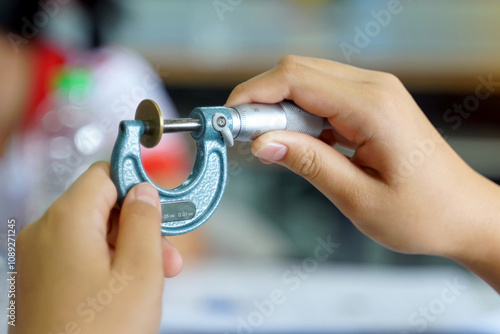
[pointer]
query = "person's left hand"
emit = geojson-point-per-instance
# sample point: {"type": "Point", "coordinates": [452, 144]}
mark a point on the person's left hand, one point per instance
{"type": "Point", "coordinates": [85, 267]}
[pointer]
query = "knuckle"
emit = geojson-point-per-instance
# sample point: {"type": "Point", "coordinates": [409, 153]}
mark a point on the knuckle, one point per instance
{"type": "Point", "coordinates": [290, 69]}
{"type": "Point", "coordinates": [389, 78]}
{"type": "Point", "coordinates": [289, 59]}
{"type": "Point", "coordinates": [307, 164]}
{"type": "Point", "coordinates": [383, 99]}
{"type": "Point", "coordinates": [384, 96]}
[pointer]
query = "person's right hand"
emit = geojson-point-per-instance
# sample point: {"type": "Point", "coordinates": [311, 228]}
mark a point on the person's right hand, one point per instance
{"type": "Point", "coordinates": [404, 186]}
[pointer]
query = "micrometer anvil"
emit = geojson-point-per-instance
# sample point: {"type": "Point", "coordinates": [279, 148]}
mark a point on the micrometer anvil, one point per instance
{"type": "Point", "coordinates": [188, 206]}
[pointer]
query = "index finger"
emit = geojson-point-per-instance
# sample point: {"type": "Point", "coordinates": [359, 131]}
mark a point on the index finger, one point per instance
{"type": "Point", "coordinates": [317, 92]}
{"type": "Point", "coordinates": [340, 70]}
{"type": "Point", "coordinates": [88, 201]}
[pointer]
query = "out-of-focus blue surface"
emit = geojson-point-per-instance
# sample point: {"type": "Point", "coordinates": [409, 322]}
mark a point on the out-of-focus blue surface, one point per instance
{"type": "Point", "coordinates": [228, 296]}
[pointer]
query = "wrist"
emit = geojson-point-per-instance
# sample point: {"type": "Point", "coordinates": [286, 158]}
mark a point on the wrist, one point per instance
{"type": "Point", "coordinates": [477, 238]}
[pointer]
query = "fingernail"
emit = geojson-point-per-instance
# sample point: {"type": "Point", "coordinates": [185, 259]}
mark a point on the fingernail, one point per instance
{"type": "Point", "coordinates": [272, 152]}
{"type": "Point", "coordinates": [147, 193]}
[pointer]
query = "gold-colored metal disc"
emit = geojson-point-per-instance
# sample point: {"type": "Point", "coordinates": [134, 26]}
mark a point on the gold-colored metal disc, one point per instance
{"type": "Point", "coordinates": [149, 112]}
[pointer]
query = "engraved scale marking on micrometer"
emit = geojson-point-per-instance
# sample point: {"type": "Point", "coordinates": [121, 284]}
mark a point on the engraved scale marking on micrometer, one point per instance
{"type": "Point", "coordinates": [176, 211]}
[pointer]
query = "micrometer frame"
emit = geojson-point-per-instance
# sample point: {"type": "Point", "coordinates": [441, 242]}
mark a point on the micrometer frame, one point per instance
{"type": "Point", "coordinates": [198, 197]}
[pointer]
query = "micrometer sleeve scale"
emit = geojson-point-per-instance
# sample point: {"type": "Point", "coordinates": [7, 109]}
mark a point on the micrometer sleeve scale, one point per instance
{"type": "Point", "coordinates": [188, 206]}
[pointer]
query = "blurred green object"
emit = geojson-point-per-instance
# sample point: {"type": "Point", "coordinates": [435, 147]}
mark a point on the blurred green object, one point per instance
{"type": "Point", "coordinates": [74, 83]}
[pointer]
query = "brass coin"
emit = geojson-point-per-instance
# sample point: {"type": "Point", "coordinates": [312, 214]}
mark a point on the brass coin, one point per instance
{"type": "Point", "coordinates": [149, 112]}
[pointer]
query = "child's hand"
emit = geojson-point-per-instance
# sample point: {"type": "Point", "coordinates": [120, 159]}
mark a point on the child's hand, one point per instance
{"type": "Point", "coordinates": [73, 274]}
{"type": "Point", "coordinates": [404, 186]}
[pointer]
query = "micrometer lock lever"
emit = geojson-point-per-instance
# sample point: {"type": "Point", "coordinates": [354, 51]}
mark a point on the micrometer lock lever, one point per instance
{"type": "Point", "coordinates": [221, 124]}
{"type": "Point", "coordinates": [213, 128]}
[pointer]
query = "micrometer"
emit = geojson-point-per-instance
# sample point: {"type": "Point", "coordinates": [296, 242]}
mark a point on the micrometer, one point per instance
{"type": "Point", "coordinates": [191, 204]}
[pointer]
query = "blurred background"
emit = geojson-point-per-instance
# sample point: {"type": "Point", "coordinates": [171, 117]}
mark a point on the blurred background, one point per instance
{"type": "Point", "coordinates": [253, 268]}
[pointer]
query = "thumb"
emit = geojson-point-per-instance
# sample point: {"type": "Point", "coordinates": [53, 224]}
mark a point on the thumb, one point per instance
{"type": "Point", "coordinates": [138, 244]}
{"type": "Point", "coordinates": [323, 166]}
